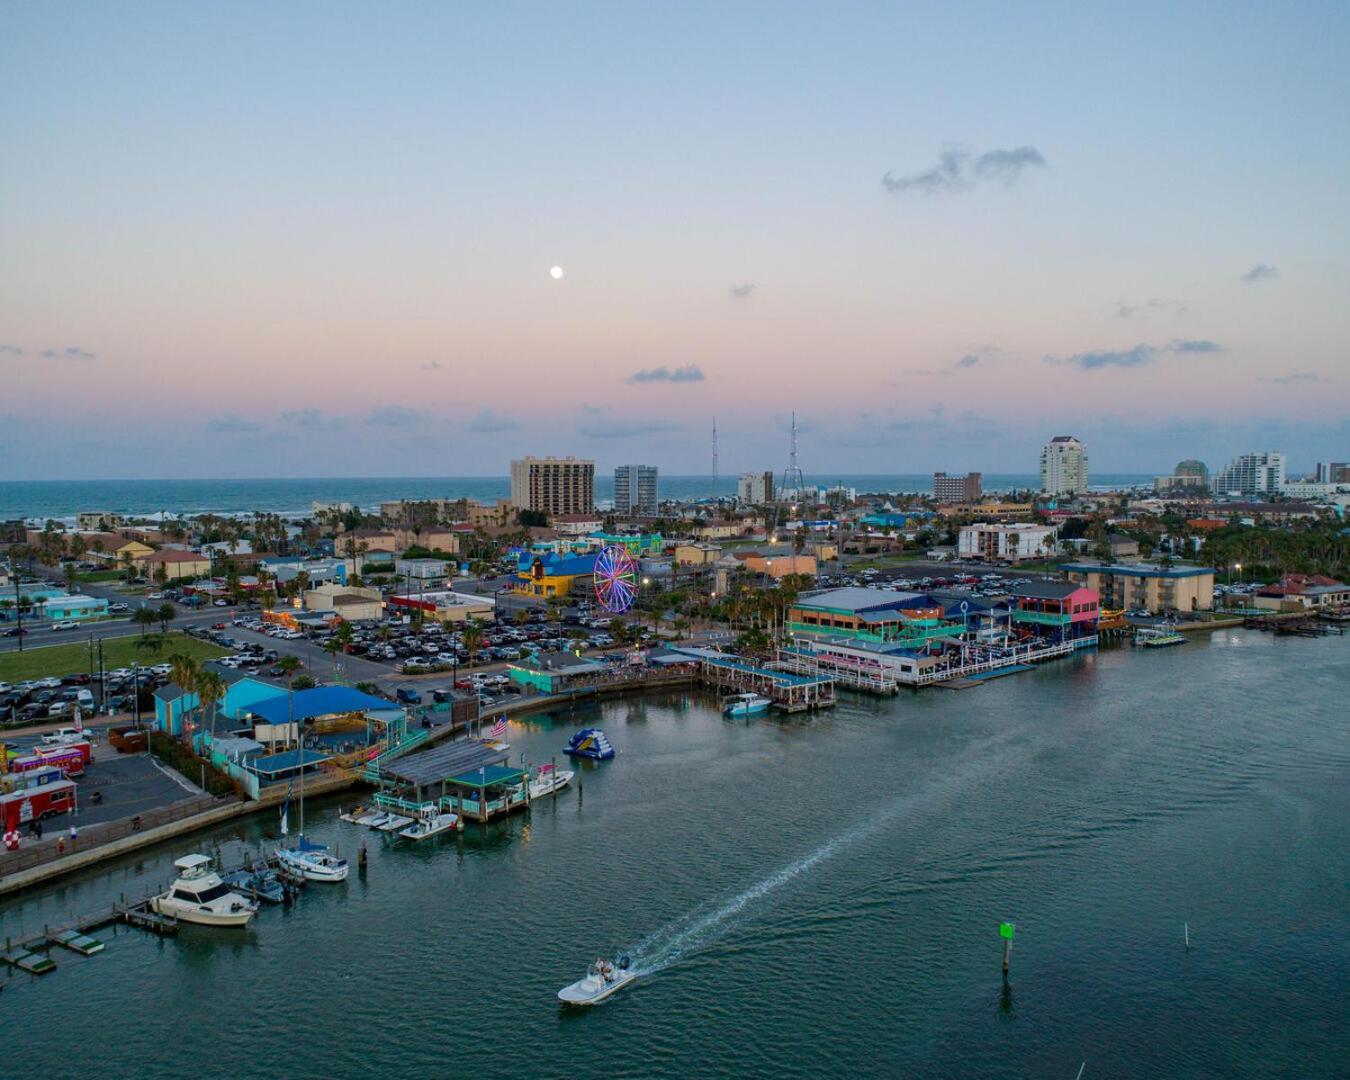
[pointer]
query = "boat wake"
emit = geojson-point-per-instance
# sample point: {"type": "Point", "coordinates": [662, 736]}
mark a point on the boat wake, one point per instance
{"type": "Point", "coordinates": [677, 939]}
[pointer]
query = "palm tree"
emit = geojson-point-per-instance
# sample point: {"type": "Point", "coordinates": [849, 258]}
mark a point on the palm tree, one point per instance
{"type": "Point", "coordinates": [186, 672]}
{"type": "Point", "coordinates": [210, 689]}
{"type": "Point", "coordinates": [166, 613]}
{"type": "Point", "coordinates": [289, 666]}
{"type": "Point", "coordinates": [71, 575]}
{"type": "Point", "coordinates": [473, 639]}
{"type": "Point", "coordinates": [145, 618]}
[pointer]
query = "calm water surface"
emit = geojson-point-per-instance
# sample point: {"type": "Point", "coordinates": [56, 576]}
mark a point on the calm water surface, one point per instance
{"type": "Point", "coordinates": [807, 898]}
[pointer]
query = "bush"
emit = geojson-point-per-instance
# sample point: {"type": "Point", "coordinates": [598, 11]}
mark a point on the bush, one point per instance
{"type": "Point", "coordinates": [303, 682]}
{"type": "Point", "coordinates": [182, 760]}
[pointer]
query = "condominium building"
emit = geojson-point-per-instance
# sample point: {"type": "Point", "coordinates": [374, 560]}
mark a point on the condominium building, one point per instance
{"type": "Point", "coordinates": [1005, 543]}
{"type": "Point", "coordinates": [755, 488]}
{"type": "Point", "coordinates": [1260, 472]}
{"type": "Point", "coordinates": [1148, 586]}
{"type": "Point", "coordinates": [1064, 467]}
{"type": "Point", "coordinates": [553, 485]}
{"type": "Point", "coordinates": [963, 488]}
{"type": "Point", "coordinates": [635, 490]}
{"type": "Point", "coordinates": [1332, 472]}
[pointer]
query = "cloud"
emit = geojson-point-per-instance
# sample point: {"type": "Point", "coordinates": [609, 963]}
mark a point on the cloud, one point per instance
{"type": "Point", "coordinates": [488, 422]}
{"type": "Point", "coordinates": [741, 292]}
{"type": "Point", "coordinates": [10, 350]}
{"type": "Point", "coordinates": [308, 418]}
{"type": "Point", "coordinates": [1191, 345]}
{"type": "Point", "coordinates": [1260, 272]}
{"type": "Point", "coordinates": [75, 353]}
{"type": "Point", "coordinates": [230, 424]}
{"type": "Point", "coordinates": [959, 170]}
{"type": "Point", "coordinates": [71, 352]}
{"type": "Point", "coordinates": [393, 416]}
{"type": "Point", "coordinates": [431, 365]}
{"type": "Point", "coordinates": [970, 360]}
{"type": "Point", "coordinates": [1295, 377]}
{"type": "Point", "coordinates": [600, 422]}
{"type": "Point", "coordinates": [687, 373]}
{"type": "Point", "coordinates": [1138, 356]}
{"type": "Point", "coordinates": [1128, 311]}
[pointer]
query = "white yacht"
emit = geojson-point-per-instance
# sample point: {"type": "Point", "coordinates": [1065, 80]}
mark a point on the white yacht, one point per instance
{"type": "Point", "coordinates": [313, 862]}
{"type": "Point", "coordinates": [602, 979]}
{"type": "Point", "coordinates": [746, 705]}
{"type": "Point", "coordinates": [199, 895]}
{"type": "Point", "coordinates": [548, 779]}
{"type": "Point", "coordinates": [429, 824]}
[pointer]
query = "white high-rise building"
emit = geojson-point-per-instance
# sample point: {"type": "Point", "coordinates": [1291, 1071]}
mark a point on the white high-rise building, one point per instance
{"type": "Point", "coordinates": [1064, 467]}
{"type": "Point", "coordinates": [755, 488]}
{"type": "Point", "coordinates": [635, 490]}
{"type": "Point", "coordinates": [1258, 473]}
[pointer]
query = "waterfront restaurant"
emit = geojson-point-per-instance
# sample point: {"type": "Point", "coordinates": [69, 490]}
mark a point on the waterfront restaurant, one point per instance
{"type": "Point", "coordinates": [554, 672]}
{"type": "Point", "coordinates": [876, 615]}
{"type": "Point", "coordinates": [1056, 611]}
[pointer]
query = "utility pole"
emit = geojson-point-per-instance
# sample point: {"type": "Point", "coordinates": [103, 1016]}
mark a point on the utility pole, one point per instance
{"type": "Point", "coordinates": [18, 607]}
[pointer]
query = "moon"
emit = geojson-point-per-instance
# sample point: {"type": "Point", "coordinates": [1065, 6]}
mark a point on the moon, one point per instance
{"type": "Point", "coordinates": [556, 273]}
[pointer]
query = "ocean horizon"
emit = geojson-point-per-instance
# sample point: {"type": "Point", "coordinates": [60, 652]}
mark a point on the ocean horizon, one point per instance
{"type": "Point", "coordinates": [61, 500]}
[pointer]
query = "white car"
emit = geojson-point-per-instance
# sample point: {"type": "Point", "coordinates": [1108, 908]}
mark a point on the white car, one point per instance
{"type": "Point", "coordinates": [64, 624]}
{"type": "Point", "coordinates": [162, 669]}
{"type": "Point", "coordinates": [120, 673]}
{"type": "Point", "coordinates": [5, 688]}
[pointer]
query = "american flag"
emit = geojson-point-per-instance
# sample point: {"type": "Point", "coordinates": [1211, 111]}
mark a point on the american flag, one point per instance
{"type": "Point", "coordinates": [498, 729]}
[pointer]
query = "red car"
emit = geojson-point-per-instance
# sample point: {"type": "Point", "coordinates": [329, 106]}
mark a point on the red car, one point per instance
{"type": "Point", "coordinates": [220, 626]}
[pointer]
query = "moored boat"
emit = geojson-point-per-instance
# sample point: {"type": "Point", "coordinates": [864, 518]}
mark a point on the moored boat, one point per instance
{"type": "Point", "coordinates": [1158, 637]}
{"type": "Point", "coordinates": [746, 705]}
{"type": "Point", "coordinates": [313, 862]}
{"type": "Point", "coordinates": [548, 779]}
{"type": "Point", "coordinates": [199, 895]}
{"type": "Point", "coordinates": [429, 824]}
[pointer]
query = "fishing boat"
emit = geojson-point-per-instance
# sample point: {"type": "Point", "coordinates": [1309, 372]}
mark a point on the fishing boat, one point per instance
{"type": "Point", "coordinates": [745, 705]}
{"type": "Point", "coordinates": [429, 824]}
{"type": "Point", "coordinates": [602, 979]}
{"type": "Point", "coordinates": [547, 780]}
{"type": "Point", "coordinates": [589, 743]}
{"type": "Point", "coordinates": [1158, 637]}
{"type": "Point", "coordinates": [198, 895]}
{"type": "Point", "coordinates": [308, 860]}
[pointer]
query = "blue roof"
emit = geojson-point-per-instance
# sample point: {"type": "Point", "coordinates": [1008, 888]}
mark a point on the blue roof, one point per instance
{"type": "Point", "coordinates": [487, 774]}
{"type": "Point", "coordinates": [290, 761]}
{"type": "Point", "coordinates": [321, 701]}
{"type": "Point", "coordinates": [558, 565]}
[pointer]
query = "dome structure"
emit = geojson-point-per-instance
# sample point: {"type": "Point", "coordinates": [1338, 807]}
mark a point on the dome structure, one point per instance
{"type": "Point", "coordinates": [1190, 467]}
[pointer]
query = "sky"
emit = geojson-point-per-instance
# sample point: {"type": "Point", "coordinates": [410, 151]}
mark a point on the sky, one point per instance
{"type": "Point", "coordinates": [315, 239]}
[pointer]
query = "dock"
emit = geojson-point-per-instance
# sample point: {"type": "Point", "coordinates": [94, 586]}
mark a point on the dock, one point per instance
{"type": "Point", "coordinates": [789, 692]}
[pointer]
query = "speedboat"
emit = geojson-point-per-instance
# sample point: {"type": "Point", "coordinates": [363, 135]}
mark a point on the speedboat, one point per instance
{"type": "Point", "coordinates": [257, 884]}
{"type": "Point", "coordinates": [602, 979]}
{"type": "Point", "coordinates": [198, 895]}
{"type": "Point", "coordinates": [589, 743]}
{"type": "Point", "coordinates": [313, 862]}
{"type": "Point", "coordinates": [547, 780]}
{"type": "Point", "coordinates": [746, 705]}
{"type": "Point", "coordinates": [429, 824]}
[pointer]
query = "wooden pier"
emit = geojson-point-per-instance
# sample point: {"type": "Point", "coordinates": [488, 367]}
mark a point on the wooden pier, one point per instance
{"type": "Point", "coordinates": [788, 692]}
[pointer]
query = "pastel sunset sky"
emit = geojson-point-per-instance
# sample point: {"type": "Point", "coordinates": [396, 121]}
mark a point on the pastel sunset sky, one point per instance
{"type": "Point", "coordinates": [300, 239]}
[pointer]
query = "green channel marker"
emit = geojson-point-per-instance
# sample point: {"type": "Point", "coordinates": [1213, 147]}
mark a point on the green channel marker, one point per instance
{"type": "Point", "coordinates": [1005, 930]}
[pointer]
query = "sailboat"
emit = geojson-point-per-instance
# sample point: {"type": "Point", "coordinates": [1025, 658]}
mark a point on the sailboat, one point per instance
{"type": "Point", "coordinates": [308, 860]}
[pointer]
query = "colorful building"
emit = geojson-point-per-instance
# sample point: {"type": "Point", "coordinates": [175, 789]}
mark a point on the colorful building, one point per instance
{"type": "Point", "coordinates": [872, 615]}
{"type": "Point", "coordinates": [1056, 611]}
{"type": "Point", "coordinates": [78, 607]}
{"type": "Point", "coordinates": [554, 575]}
{"type": "Point", "coordinates": [1149, 586]}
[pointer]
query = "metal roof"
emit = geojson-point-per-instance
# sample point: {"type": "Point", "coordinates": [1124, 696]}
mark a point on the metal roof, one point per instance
{"type": "Point", "coordinates": [321, 701]}
{"type": "Point", "coordinates": [487, 775]}
{"type": "Point", "coordinates": [858, 599]}
{"type": "Point", "coordinates": [441, 762]}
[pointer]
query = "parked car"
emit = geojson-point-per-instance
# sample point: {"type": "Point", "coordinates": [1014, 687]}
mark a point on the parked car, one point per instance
{"type": "Point", "coordinates": [406, 695]}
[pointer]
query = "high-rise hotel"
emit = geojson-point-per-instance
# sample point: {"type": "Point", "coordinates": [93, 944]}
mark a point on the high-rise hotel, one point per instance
{"type": "Point", "coordinates": [553, 485]}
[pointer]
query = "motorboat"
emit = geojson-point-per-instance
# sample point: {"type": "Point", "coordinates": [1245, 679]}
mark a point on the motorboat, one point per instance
{"type": "Point", "coordinates": [198, 895]}
{"type": "Point", "coordinates": [1158, 637]}
{"type": "Point", "coordinates": [746, 705]}
{"type": "Point", "coordinates": [602, 979]}
{"type": "Point", "coordinates": [357, 816]}
{"type": "Point", "coordinates": [375, 819]}
{"type": "Point", "coordinates": [429, 824]}
{"type": "Point", "coordinates": [394, 823]}
{"type": "Point", "coordinates": [262, 885]}
{"type": "Point", "coordinates": [589, 743]}
{"type": "Point", "coordinates": [548, 779]}
{"type": "Point", "coordinates": [313, 862]}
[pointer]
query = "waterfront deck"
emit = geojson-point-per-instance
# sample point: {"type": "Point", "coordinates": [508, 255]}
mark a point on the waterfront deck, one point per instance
{"type": "Point", "coordinates": [788, 691]}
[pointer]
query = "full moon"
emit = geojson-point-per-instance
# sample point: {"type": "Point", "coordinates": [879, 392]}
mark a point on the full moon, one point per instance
{"type": "Point", "coordinates": [556, 273]}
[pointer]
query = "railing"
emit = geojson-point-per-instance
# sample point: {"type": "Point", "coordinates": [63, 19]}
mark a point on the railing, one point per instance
{"type": "Point", "coordinates": [1045, 618]}
{"type": "Point", "coordinates": [51, 847]}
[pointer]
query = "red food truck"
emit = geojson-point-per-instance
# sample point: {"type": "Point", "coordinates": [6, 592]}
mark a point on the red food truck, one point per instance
{"type": "Point", "coordinates": [30, 804]}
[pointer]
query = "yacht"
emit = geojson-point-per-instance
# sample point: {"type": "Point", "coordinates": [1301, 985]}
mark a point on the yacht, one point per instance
{"type": "Point", "coordinates": [547, 780]}
{"type": "Point", "coordinates": [198, 895]}
{"type": "Point", "coordinates": [313, 862]}
{"type": "Point", "coordinates": [602, 979]}
{"type": "Point", "coordinates": [746, 705]}
{"type": "Point", "coordinates": [589, 743]}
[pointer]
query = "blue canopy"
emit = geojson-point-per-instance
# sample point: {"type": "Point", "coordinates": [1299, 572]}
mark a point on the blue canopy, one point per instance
{"type": "Point", "coordinates": [321, 701]}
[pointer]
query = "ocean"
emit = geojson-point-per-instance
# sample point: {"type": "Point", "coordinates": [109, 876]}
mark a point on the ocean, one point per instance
{"type": "Point", "coordinates": [63, 499]}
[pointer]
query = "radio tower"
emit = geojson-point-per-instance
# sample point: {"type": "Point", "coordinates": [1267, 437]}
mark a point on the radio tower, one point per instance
{"type": "Point", "coordinates": [714, 463]}
{"type": "Point", "coordinates": [792, 475]}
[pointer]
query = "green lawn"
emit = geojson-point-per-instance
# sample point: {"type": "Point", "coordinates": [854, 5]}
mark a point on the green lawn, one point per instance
{"type": "Point", "coordinates": [39, 662]}
{"type": "Point", "coordinates": [94, 576]}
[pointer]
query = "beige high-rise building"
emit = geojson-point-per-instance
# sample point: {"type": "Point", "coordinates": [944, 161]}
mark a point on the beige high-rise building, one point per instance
{"type": "Point", "coordinates": [553, 485]}
{"type": "Point", "coordinates": [1064, 467]}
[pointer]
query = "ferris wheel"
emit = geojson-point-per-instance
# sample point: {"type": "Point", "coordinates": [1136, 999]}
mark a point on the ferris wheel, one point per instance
{"type": "Point", "coordinates": [615, 579]}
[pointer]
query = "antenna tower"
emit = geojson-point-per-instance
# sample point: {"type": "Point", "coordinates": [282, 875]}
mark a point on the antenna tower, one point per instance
{"type": "Point", "coordinates": [714, 460]}
{"type": "Point", "coordinates": [792, 475]}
